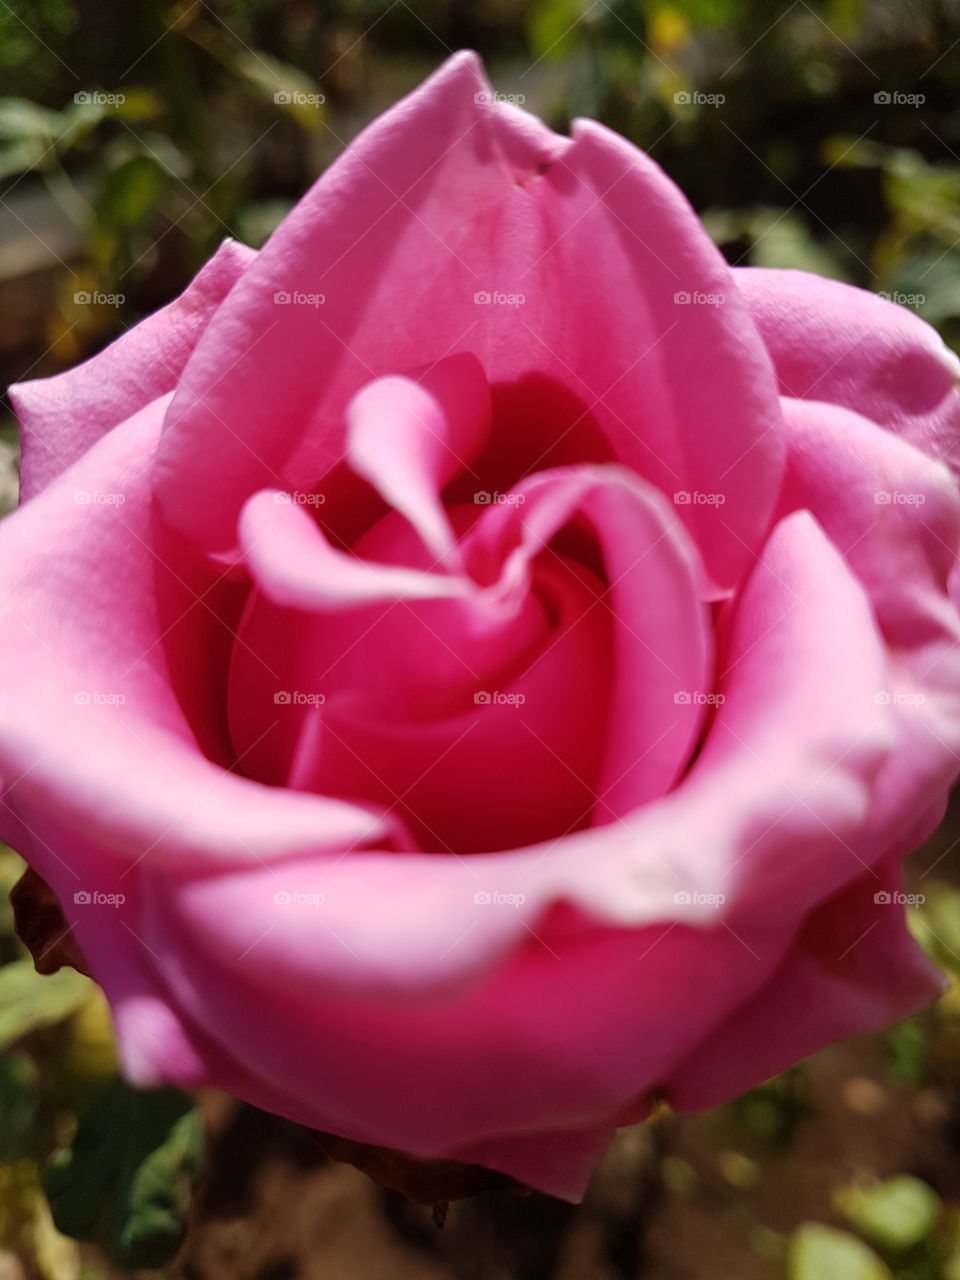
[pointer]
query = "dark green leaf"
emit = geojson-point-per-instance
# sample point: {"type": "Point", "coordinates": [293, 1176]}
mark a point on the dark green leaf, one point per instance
{"type": "Point", "coordinates": [124, 1183]}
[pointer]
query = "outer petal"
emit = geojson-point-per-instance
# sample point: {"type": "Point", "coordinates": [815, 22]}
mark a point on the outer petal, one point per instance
{"type": "Point", "coordinates": [853, 967]}
{"type": "Point", "coordinates": [92, 737]}
{"type": "Point", "coordinates": [830, 341]}
{"type": "Point", "coordinates": [447, 199]}
{"type": "Point", "coordinates": [62, 417]}
{"type": "Point", "coordinates": [894, 514]}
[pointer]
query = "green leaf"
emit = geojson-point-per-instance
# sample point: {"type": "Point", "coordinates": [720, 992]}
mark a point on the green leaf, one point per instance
{"type": "Point", "coordinates": [895, 1214]}
{"type": "Point", "coordinates": [552, 27]}
{"type": "Point", "coordinates": [818, 1252]}
{"type": "Point", "coordinates": [27, 132]}
{"type": "Point", "coordinates": [18, 1107]}
{"type": "Point", "coordinates": [907, 1051]}
{"type": "Point", "coordinates": [288, 87]}
{"type": "Point", "coordinates": [129, 193]}
{"type": "Point", "coordinates": [285, 86]}
{"type": "Point", "coordinates": [29, 1000]}
{"type": "Point", "coordinates": [124, 1183]}
{"type": "Point", "coordinates": [936, 925]}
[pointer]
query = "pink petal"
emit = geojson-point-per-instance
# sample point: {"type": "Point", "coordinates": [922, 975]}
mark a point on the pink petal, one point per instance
{"type": "Point", "coordinates": [852, 968]}
{"type": "Point", "coordinates": [297, 567]}
{"type": "Point", "coordinates": [63, 416]}
{"type": "Point", "coordinates": [661, 647]}
{"type": "Point", "coordinates": [849, 347]}
{"type": "Point", "coordinates": [894, 514]}
{"type": "Point", "coordinates": [411, 438]}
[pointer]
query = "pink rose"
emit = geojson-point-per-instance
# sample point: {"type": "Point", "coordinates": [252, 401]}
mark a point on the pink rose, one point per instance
{"type": "Point", "coordinates": [477, 664]}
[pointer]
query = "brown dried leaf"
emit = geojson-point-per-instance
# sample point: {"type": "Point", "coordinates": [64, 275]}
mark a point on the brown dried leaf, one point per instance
{"type": "Point", "coordinates": [42, 927]}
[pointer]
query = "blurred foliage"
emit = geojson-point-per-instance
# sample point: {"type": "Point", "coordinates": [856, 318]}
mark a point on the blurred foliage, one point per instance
{"type": "Point", "coordinates": [818, 1252]}
{"type": "Point", "coordinates": [160, 128]}
{"type": "Point", "coordinates": [125, 1180]}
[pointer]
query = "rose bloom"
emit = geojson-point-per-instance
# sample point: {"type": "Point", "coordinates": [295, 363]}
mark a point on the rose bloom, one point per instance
{"type": "Point", "coordinates": [475, 667]}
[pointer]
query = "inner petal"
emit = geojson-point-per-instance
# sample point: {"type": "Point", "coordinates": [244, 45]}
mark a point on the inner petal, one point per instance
{"type": "Point", "coordinates": [480, 724]}
{"type": "Point", "coordinates": [410, 437]}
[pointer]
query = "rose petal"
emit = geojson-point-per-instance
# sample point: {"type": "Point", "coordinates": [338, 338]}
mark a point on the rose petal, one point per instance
{"type": "Point", "coordinates": [854, 967]}
{"type": "Point", "coordinates": [832, 342]}
{"type": "Point", "coordinates": [61, 417]}
{"type": "Point", "coordinates": [410, 438]}
{"type": "Point", "coordinates": [894, 514]}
